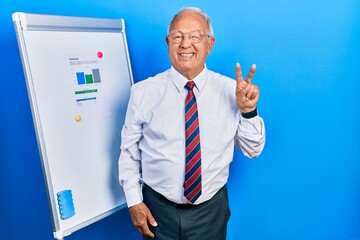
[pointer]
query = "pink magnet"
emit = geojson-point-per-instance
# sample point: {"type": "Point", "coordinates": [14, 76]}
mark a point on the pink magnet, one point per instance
{"type": "Point", "coordinates": [100, 54]}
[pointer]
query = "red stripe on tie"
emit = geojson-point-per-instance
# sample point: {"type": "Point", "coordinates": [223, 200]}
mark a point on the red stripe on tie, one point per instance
{"type": "Point", "coordinates": [191, 129]}
{"type": "Point", "coordinates": [192, 162]}
{"type": "Point", "coordinates": [190, 112]}
{"type": "Point", "coordinates": [193, 193]}
{"type": "Point", "coordinates": [192, 145]}
{"type": "Point", "coordinates": [192, 179]}
{"type": "Point", "coordinates": [189, 97]}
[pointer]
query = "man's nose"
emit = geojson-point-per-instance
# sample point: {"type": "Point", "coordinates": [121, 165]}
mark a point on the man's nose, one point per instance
{"type": "Point", "coordinates": [186, 42]}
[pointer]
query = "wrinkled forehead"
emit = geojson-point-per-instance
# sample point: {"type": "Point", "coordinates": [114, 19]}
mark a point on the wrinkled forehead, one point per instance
{"type": "Point", "coordinates": [189, 21]}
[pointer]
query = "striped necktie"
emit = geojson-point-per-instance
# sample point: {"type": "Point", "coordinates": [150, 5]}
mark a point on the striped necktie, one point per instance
{"type": "Point", "coordinates": [192, 183]}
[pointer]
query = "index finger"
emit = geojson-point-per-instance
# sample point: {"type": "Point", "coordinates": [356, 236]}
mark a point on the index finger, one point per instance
{"type": "Point", "coordinates": [146, 231]}
{"type": "Point", "coordinates": [238, 73]}
{"type": "Point", "coordinates": [251, 73]}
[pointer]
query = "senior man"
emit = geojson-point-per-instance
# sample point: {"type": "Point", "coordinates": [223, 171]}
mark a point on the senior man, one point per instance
{"type": "Point", "coordinates": [179, 135]}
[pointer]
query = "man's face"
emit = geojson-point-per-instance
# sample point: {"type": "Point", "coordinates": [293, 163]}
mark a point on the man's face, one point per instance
{"type": "Point", "coordinates": [186, 57]}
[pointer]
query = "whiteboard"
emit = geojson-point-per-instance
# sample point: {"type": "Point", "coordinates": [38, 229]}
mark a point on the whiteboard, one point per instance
{"type": "Point", "coordinates": [78, 77]}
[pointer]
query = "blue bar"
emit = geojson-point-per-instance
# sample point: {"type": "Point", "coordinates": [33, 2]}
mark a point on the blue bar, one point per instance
{"type": "Point", "coordinates": [85, 99]}
{"type": "Point", "coordinates": [80, 78]}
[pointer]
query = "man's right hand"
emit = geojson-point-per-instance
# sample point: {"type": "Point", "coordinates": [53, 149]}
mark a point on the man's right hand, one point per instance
{"type": "Point", "coordinates": [140, 216]}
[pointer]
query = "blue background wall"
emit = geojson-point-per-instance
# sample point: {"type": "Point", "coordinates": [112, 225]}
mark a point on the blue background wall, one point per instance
{"type": "Point", "coordinates": [305, 185]}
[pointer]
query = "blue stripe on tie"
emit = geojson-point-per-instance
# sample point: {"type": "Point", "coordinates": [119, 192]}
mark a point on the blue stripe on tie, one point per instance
{"type": "Point", "coordinates": [191, 120]}
{"type": "Point", "coordinates": [196, 196]}
{"type": "Point", "coordinates": [193, 169]}
{"type": "Point", "coordinates": [190, 104]}
{"type": "Point", "coordinates": [192, 136]}
{"type": "Point", "coordinates": [193, 152]}
{"type": "Point", "coordinates": [192, 186]}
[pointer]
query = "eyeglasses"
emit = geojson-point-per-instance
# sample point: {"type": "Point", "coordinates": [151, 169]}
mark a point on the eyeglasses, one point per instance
{"type": "Point", "coordinates": [177, 36]}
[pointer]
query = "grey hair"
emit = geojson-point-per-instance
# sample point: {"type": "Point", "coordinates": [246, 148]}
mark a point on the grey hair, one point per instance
{"type": "Point", "coordinates": [197, 11]}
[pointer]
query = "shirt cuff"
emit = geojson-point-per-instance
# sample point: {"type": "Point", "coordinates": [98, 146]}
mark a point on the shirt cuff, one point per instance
{"type": "Point", "coordinates": [251, 114]}
{"type": "Point", "coordinates": [133, 197]}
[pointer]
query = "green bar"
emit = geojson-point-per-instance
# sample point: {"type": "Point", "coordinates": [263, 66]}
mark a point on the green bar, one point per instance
{"type": "Point", "coordinates": [89, 78]}
{"type": "Point", "coordinates": [86, 91]}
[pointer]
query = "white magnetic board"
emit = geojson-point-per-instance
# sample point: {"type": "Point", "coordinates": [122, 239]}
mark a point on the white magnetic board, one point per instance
{"type": "Point", "coordinates": [78, 77]}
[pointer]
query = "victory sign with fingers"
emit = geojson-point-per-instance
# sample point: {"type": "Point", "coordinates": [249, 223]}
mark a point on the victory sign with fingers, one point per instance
{"type": "Point", "coordinates": [247, 94]}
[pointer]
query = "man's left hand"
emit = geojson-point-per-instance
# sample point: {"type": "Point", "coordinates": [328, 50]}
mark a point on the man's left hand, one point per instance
{"type": "Point", "coordinates": [247, 94]}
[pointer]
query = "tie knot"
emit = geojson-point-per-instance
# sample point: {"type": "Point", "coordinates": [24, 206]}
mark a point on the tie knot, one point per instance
{"type": "Point", "coordinates": [189, 85]}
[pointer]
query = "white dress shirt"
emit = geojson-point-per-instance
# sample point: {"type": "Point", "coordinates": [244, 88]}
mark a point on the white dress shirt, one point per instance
{"type": "Point", "coordinates": [153, 136]}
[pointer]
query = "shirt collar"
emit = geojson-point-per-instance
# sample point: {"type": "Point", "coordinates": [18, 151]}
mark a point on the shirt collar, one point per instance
{"type": "Point", "coordinates": [180, 81]}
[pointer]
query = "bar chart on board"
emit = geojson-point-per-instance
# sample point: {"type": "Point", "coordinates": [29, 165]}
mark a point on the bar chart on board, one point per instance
{"type": "Point", "coordinates": [88, 86]}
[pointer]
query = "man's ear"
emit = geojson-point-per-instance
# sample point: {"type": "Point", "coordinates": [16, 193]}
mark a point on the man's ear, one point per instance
{"type": "Point", "coordinates": [167, 43]}
{"type": "Point", "coordinates": [211, 43]}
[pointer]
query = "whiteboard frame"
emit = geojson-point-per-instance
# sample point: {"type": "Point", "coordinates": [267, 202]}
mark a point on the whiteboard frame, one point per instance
{"type": "Point", "coordinates": [41, 22]}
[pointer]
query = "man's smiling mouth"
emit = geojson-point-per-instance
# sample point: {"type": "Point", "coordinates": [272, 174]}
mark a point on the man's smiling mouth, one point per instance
{"type": "Point", "coordinates": [186, 54]}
